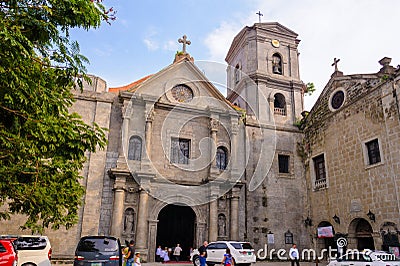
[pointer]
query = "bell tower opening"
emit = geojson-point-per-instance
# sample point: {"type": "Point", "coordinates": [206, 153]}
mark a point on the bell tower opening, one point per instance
{"type": "Point", "coordinates": [176, 225]}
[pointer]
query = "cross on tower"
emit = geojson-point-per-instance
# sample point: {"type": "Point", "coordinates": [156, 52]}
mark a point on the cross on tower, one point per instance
{"type": "Point", "coordinates": [259, 16]}
{"type": "Point", "coordinates": [335, 62]}
{"type": "Point", "coordinates": [184, 41]}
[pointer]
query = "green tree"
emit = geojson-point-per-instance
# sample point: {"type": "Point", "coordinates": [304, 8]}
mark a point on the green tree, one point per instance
{"type": "Point", "coordinates": [42, 145]}
{"type": "Point", "coordinates": [309, 88]}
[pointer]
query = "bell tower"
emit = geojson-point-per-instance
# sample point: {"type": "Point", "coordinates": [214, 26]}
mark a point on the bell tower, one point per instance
{"type": "Point", "coordinates": [267, 54]}
{"type": "Point", "coordinates": [263, 79]}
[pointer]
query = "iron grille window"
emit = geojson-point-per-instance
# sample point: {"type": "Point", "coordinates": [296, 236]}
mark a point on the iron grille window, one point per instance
{"type": "Point", "coordinates": [319, 167]}
{"type": "Point", "coordinates": [180, 149]}
{"type": "Point", "coordinates": [221, 158]}
{"type": "Point", "coordinates": [374, 155]}
{"type": "Point", "coordinates": [135, 148]}
{"type": "Point", "coordinates": [283, 161]}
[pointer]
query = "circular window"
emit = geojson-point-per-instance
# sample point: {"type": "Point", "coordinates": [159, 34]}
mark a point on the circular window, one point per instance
{"type": "Point", "coordinates": [182, 93]}
{"type": "Point", "coordinates": [337, 100]}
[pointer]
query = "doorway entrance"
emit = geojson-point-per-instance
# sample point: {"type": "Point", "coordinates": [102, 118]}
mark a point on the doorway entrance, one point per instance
{"type": "Point", "coordinates": [176, 225]}
{"type": "Point", "coordinates": [363, 234]}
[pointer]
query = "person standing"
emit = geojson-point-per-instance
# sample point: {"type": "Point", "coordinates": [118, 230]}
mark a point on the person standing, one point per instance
{"type": "Point", "coordinates": [294, 255]}
{"type": "Point", "coordinates": [177, 252]}
{"type": "Point", "coordinates": [158, 254]}
{"type": "Point", "coordinates": [203, 249]}
{"type": "Point", "coordinates": [137, 260]}
{"type": "Point", "coordinates": [203, 254]}
{"type": "Point", "coordinates": [227, 260]}
{"type": "Point", "coordinates": [131, 253]}
{"type": "Point", "coordinates": [165, 255]}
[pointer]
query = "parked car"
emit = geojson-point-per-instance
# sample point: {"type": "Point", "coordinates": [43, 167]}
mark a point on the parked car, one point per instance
{"type": "Point", "coordinates": [242, 253]}
{"type": "Point", "coordinates": [366, 258]}
{"type": "Point", "coordinates": [8, 254]}
{"type": "Point", "coordinates": [98, 251]}
{"type": "Point", "coordinates": [33, 250]}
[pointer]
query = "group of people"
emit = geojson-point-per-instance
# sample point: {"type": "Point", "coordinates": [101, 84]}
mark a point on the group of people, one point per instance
{"type": "Point", "coordinates": [164, 255]}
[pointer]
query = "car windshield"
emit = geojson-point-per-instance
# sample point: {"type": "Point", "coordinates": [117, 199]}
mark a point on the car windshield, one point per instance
{"type": "Point", "coordinates": [30, 243]}
{"type": "Point", "coordinates": [97, 245]}
{"type": "Point", "coordinates": [244, 245]}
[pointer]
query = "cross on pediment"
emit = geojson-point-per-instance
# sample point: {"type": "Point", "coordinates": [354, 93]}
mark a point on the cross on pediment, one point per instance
{"type": "Point", "coordinates": [185, 42]}
{"type": "Point", "coordinates": [335, 63]}
{"type": "Point", "coordinates": [259, 16]}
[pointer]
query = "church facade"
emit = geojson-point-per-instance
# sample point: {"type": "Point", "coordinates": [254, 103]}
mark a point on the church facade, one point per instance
{"type": "Point", "coordinates": [185, 164]}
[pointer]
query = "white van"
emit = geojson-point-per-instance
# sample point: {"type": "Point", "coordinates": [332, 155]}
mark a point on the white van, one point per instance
{"type": "Point", "coordinates": [33, 250]}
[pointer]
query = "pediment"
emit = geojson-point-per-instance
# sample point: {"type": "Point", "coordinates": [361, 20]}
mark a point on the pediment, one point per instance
{"type": "Point", "coordinates": [276, 28]}
{"type": "Point", "coordinates": [182, 83]}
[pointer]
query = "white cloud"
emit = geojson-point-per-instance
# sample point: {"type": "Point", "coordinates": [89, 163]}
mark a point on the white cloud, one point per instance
{"type": "Point", "coordinates": [149, 40]}
{"type": "Point", "coordinates": [171, 46]}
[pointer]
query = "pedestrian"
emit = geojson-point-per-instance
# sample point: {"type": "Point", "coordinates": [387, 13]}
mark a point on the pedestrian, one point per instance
{"type": "Point", "coordinates": [124, 253]}
{"type": "Point", "coordinates": [203, 249]}
{"type": "Point", "coordinates": [227, 260]}
{"type": "Point", "coordinates": [158, 254]}
{"type": "Point", "coordinates": [177, 252]}
{"type": "Point", "coordinates": [165, 255]}
{"type": "Point", "coordinates": [203, 253]}
{"type": "Point", "coordinates": [137, 260]}
{"type": "Point", "coordinates": [203, 258]}
{"type": "Point", "coordinates": [131, 253]}
{"type": "Point", "coordinates": [294, 255]}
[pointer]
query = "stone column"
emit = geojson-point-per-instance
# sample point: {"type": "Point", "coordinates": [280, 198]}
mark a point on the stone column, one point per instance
{"type": "Point", "coordinates": [149, 132]}
{"type": "Point", "coordinates": [142, 221]}
{"type": "Point", "coordinates": [235, 214]}
{"type": "Point", "coordinates": [213, 221]}
{"type": "Point", "coordinates": [214, 124]}
{"type": "Point", "coordinates": [118, 205]}
{"type": "Point", "coordinates": [234, 145]}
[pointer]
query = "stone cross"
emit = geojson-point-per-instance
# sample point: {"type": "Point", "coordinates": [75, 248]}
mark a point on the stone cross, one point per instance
{"type": "Point", "coordinates": [335, 62]}
{"type": "Point", "coordinates": [184, 41]}
{"type": "Point", "coordinates": [259, 16]}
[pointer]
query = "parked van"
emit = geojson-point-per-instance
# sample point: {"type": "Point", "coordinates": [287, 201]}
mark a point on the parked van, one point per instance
{"type": "Point", "coordinates": [98, 251]}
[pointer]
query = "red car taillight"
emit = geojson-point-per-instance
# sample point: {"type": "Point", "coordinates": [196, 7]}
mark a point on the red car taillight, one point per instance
{"type": "Point", "coordinates": [79, 258]}
{"type": "Point", "coordinates": [114, 258]}
{"type": "Point", "coordinates": [49, 254]}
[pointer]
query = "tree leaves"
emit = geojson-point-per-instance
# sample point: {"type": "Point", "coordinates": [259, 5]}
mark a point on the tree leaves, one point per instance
{"type": "Point", "coordinates": [42, 145]}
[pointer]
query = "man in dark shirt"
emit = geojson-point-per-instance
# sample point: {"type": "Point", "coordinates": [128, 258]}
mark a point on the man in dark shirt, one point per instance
{"type": "Point", "coordinates": [131, 253]}
{"type": "Point", "coordinates": [203, 249]}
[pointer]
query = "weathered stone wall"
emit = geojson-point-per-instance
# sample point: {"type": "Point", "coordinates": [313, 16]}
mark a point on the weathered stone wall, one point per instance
{"type": "Point", "coordinates": [353, 186]}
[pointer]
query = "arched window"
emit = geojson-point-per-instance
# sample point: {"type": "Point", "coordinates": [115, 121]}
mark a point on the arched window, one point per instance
{"type": "Point", "coordinates": [135, 148]}
{"type": "Point", "coordinates": [277, 64]}
{"type": "Point", "coordinates": [222, 158]}
{"type": "Point", "coordinates": [279, 104]}
{"type": "Point", "coordinates": [237, 74]}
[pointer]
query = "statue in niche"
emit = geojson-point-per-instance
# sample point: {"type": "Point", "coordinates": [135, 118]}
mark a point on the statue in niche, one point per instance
{"type": "Point", "coordinates": [129, 221]}
{"type": "Point", "coordinates": [221, 225]}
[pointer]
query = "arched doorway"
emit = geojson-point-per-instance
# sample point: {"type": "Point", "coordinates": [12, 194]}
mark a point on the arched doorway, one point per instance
{"type": "Point", "coordinates": [176, 225]}
{"type": "Point", "coordinates": [362, 231]}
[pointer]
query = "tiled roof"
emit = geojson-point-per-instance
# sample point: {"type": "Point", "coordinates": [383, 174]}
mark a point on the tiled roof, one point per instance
{"type": "Point", "coordinates": [131, 86]}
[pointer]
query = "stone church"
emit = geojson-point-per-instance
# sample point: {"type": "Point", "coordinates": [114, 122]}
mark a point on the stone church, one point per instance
{"type": "Point", "coordinates": [185, 164]}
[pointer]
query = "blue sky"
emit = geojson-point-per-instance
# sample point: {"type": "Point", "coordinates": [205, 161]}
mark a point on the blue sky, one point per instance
{"type": "Point", "coordinates": [143, 38]}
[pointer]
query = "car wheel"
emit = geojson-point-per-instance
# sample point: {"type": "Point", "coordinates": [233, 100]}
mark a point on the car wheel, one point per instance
{"type": "Point", "coordinates": [210, 264]}
{"type": "Point", "coordinates": [196, 261]}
